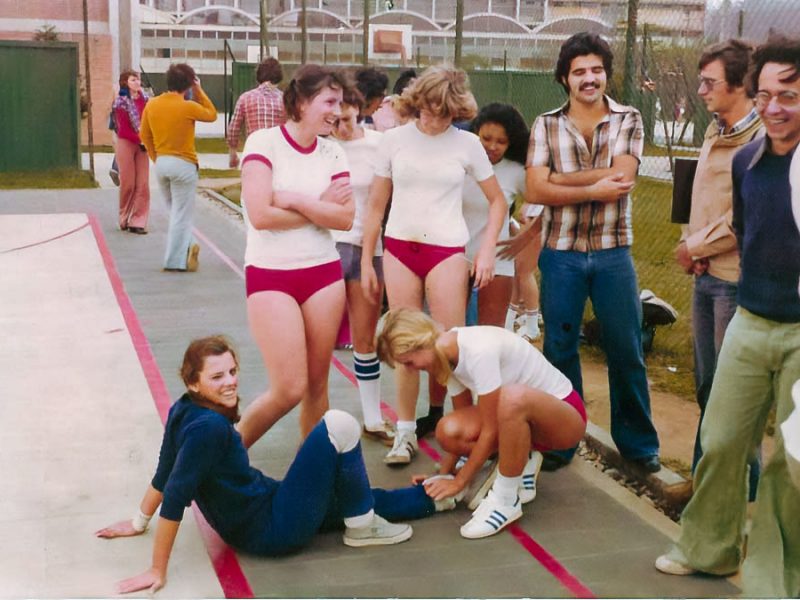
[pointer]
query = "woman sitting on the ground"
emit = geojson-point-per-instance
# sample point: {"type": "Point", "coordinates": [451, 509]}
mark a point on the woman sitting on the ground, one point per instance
{"type": "Point", "coordinates": [203, 459]}
{"type": "Point", "coordinates": [524, 403]}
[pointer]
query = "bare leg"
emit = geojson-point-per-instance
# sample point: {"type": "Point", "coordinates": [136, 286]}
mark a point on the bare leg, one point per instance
{"type": "Point", "coordinates": [320, 313]}
{"type": "Point", "coordinates": [276, 324]}
{"type": "Point", "coordinates": [493, 301]}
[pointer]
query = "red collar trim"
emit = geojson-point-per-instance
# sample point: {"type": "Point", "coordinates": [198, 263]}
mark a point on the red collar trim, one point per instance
{"type": "Point", "coordinates": [295, 145]}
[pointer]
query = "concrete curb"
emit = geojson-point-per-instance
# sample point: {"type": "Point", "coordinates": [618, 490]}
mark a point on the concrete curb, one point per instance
{"type": "Point", "coordinates": [666, 486]}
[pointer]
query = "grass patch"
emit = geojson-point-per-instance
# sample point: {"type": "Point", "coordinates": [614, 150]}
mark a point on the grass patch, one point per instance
{"type": "Point", "coordinates": [211, 145]}
{"type": "Point", "coordinates": [104, 148]}
{"type": "Point", "coordinates": [232, 193]}
{"type": "Point", "coordinates": [651, 149]}
{"type": "Point", "coordinates": [220, 173]}
{"type": "Point", "coordinates": [52, 179]}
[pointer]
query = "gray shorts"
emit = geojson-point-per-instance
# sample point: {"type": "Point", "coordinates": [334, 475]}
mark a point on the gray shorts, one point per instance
{"type": "Point", "coordinates": [351, 262]}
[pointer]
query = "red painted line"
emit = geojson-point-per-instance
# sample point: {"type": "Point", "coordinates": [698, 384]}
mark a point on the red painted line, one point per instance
{"type": "Point", "coordinates": [215, 249]}
{"type": "Point", "coordinates": [547, 560]}
{"type": "Point", "coordinates": [48, 240]}
{"type": "Point", "coordinates": [229, 573]}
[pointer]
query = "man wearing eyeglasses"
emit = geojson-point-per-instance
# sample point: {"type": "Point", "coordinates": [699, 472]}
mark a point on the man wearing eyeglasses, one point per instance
{"type": "Point", "coordinates": [759, 360]}
{"type": "Point", "coordinates": [708, 245]}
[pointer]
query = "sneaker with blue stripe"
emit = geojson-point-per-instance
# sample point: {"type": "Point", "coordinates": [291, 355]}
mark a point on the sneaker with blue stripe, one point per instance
{"type": "Point", "coordinates": [491, 517]}
{"type": "Point", "coordinates": [527, 489]}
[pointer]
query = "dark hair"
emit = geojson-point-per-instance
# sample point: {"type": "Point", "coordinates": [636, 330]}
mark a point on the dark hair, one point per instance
{"type": "Point", "coordinates": [778, 49]}
{"type": "Point", "coordinates": [123, 78]}
{"type": "Point", "coordinates": [512, 121]}
{"type": "Point", "coordinates": [352, 97]}
{"type": "Point", "coordinates": [180, 77]}
{"type": "Point", "coordinates": [308, 81]}
{"type": "Point", "coordinates": [582, 44]}
{"type": "Point", "coordinates": [269, 70]}
{"type": "Point", "coordinates": [734, 56]}
{"type": "Point", "coordinates": [194, 358]}
{"type": "Point", "coordinates": [372, 83]}
{"type": "Point", "coordinates": [405, 78]}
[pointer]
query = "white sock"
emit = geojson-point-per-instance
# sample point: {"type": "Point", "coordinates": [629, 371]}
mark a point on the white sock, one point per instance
{"type": "Point", "coordinates": [406, 427]}
{"type": "Point", "coordinates": [511, 315]}
{"type": "Point", "coordinates": [360, 520]}
{"type": "Point", "coordinates": [368, 375]}
{"type": "Point", "coordinates": [505, 488]}
{"type": "Point", "coordinates": [532, 323]}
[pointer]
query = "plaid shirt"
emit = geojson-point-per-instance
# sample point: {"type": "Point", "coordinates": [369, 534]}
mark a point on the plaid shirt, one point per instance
{"type": "Point", "coordinates": [259, 108]}
{"type": "Point", "coordinates": [557, 144]}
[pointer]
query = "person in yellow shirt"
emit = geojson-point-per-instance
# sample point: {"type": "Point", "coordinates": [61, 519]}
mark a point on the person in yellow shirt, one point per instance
{"type": "Point", "coordinates": [167, 133]}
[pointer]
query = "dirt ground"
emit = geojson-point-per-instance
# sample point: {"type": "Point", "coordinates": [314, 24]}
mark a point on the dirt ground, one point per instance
{"type": "Point", "coordinates": [675, 417]}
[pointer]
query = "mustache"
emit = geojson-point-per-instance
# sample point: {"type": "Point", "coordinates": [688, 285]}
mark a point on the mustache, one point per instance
{"type": "Point", "coordinates": [586, 86]}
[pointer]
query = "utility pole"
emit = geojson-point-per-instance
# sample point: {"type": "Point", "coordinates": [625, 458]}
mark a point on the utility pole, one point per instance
{"type": "Point", "coordinates": [263, 31]}
{"type": "Point", "coordinates": [303, 33]}
{"type": "Point", "coordinates": [88, 76]}
{"type": "Point", "coordinates": [365, 45]}
{"type": "Point", "coordinates": [629, 81]}
{"type": "Point", "coordinates": [459, 32]}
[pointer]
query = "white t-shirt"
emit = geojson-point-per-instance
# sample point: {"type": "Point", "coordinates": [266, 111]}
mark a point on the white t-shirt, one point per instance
{"type": "Point", "coordinates": [427, 173]}
{"type": "Point", "coordinates": [511, 177]}
{"type": "Point", "coordinates": [490, 357]}
{"type": "Point", "coordinates": [303, 170]}
{"type": "Point", "coordinates": [361, 158]}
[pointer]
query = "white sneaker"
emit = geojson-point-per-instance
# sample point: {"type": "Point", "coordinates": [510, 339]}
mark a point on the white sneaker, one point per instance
{"type": "Point", "coordinates": [378, 533]}
{"type": "Point", "coordinates": [490, 517]}
{"type": "Point", "coordinates": [527, 489]}
{"type": "Point", "coordinates": [672, 567]}
{"type": "Point", "coordinates": [480, 485]}
{"type": "Point", "coordinates": [404, 448]}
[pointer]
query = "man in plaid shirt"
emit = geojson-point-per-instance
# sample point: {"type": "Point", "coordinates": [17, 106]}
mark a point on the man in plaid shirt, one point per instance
{"type": "Point", "coordinates": [582, 164]}
{"type": "Point", "coordinates": [259, 108]}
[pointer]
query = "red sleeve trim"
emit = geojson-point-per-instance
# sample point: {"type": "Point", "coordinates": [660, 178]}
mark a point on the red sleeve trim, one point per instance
{"type": "Point", "coordinates": [259, 157]}
{"type": "Point", "coordinates": [340, 175]}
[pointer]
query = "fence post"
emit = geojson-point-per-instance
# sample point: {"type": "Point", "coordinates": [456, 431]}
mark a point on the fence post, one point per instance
{"type": "Point", "coordinates": [88, 75]}
{"type": "Point", "coordinates": [365, 45]}
{"type": "Point", "coordinates": [629, 86]}
{"type": "Point", "coordinates": [459, 33]}
{"type": "Point", "coordinates": [303, 33]}
{"type": "Point", "coordinates": [263, 7]}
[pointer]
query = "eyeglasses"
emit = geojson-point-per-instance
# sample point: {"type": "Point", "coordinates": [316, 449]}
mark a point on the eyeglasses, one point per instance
{"type": "Point", "coordinates": [785, 99]}
{"type": "Point", "coordinates": [707, 82]}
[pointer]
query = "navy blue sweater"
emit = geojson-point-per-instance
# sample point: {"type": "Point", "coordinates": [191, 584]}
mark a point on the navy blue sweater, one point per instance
{"type": "Point", "coordinates": [203, 459]}
{"type": "Point", "coordinates": [769, 243]}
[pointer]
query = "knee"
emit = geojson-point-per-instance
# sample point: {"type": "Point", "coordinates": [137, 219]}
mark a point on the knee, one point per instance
{"type": "Point", "coordinates": [511, 404]}
{"type": "Point", "coordinates": [343, 430]}
{"type": "Point", "coordinates": [456, 434]}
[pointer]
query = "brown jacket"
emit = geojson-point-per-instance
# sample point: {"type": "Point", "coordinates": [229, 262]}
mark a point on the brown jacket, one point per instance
{"type": "Point", "coordinates": [710, 232]}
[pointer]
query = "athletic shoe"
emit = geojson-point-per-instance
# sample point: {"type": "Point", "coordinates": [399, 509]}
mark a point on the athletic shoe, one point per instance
{"type": "Point", "coordinates": [383, 433]}
{"type": "Point", "coordinates": [480, 485]}
{"type": "Point", "coordinates": [403, 450]}
{"type": "Point", "coordinates": [672, 567]}
{"type": "Point", "coordinates": [490, 517]}
{"type": "Point", "coordinates": [113, 175]}
{"type": "Point", "coordinates": [378, 533]}
{"type": "Point", "coordinates": [527, 489]}
{"type": "Point", "coordinates": [656, 311]}
{"type": "Point", "coordinates": [193, 260]}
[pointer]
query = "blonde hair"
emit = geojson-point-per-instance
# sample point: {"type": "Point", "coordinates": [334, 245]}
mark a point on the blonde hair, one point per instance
{"type": "Point", "coordinates": [441, 89]}
{"type": "Point", "coordinates": [405, 330]}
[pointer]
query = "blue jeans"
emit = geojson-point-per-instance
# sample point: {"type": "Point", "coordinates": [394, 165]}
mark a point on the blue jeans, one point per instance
{"type": "Point", "coordinates": [713, 306]}
{"type": "Point", "coordinates": [321, 488]}
{"type": "Point", "coordinates": [608, 278]}
{"type": "Point", "coordinates": [177, 179]}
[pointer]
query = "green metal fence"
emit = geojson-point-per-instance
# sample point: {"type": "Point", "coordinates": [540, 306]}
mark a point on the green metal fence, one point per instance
{"type": "Point", "coordinates": [39, 106]}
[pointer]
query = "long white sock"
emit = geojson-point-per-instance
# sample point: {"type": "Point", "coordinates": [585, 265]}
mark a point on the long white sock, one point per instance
{"type": "Point", "coordinates": [368, 375]}
{"type": "Point", "coordinates": [359, 520]}
{"type": "Point", "coordinates": [505, 488]}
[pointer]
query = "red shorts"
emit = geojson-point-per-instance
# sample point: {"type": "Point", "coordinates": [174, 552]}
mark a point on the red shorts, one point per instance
{"type": "Point", "coordinates": [418, 257]}
{"type": "Point", "coordinates": [300, 284]}
{"type": "Point", "coordinates": [575, 401]}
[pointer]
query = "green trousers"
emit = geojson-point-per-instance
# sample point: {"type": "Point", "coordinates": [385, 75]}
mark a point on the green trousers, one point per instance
{"type": "Point", "coordinates": [758, 363]}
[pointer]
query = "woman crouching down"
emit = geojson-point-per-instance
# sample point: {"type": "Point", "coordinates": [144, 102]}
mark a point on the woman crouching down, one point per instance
{"type": "Point", "coordinates": [524, 404]}
{"type": "Point", "coordinates": [203, 459]}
